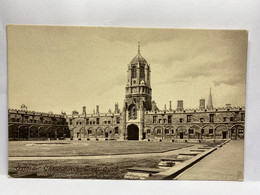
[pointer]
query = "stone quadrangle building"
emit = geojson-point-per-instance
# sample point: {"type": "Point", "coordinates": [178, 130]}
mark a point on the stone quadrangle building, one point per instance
{"type": "Point", "coordinates": [139, 119]}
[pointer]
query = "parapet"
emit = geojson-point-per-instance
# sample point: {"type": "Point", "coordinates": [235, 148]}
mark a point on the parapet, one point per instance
{"type": "Point", "coordinates": [192, 110]}
{"type": "Point", "coordinates": [94, 115]}
{"type": "Point", "coordinates": [34, 113]}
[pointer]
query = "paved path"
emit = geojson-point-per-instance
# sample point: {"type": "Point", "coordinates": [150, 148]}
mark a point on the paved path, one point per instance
{"type": "Point", "coordinates": [226, 163]}
{"type": "Point", "coordinates": [174, 152]}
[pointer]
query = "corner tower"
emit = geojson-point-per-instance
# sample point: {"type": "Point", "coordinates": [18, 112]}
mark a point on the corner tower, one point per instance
{"type": "Point", "coordinates": [138, 97]}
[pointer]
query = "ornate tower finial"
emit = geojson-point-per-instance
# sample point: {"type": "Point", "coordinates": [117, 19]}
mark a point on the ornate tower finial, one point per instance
{"type": "Point", "coordinates": [139, 47]}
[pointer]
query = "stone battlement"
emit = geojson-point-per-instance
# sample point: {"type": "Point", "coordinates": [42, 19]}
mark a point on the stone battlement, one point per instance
{"type": "Point", "coordinates": [192, 110]}
{"type": "Point", "coordinates": [34, 113]}
{"type": "Point", "coordinates": [93, 115]}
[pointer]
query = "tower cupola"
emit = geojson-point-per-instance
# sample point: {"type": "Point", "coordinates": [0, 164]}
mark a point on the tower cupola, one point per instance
{"type": "Point", "coordinates": [138, 58]}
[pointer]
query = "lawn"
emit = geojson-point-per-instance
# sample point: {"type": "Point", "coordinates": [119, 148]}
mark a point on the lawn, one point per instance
{"type": "Point", "coordinates": [81, 148]}
{"type": "Point", "coordinates": [113, 168]}
{"type": "Point", "coordinates": [104, 168]}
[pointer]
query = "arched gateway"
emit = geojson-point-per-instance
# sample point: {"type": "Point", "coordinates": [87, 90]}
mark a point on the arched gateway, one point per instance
{"type": "Point", "coordinates": [132, 132]}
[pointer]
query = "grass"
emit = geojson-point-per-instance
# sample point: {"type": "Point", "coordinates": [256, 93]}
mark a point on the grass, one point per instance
{"type": "Point", "coordinates": [81, 148]}
{"type": "Point", "coordinates": [106, 168]}
{"type": "Point", "coordinates": [80, 169]}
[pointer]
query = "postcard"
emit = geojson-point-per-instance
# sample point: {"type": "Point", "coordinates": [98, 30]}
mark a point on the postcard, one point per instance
{"type": "Point", "coordinates": [126, 103]}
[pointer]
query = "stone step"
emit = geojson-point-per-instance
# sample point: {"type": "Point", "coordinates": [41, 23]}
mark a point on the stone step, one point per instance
{"type": "Point", "coordinates": [189, 154]}
{"type": "Point", "coordinates": [142, 169]}
{"type": "Point", "coordinates": [137, 176]}
{"type": "Point", "coordinates": [197, 150]}
{"type": "Point", "coordinates": [166, 164]}
{"type": "Point", "coordinates": [174, 159]}
{"type": "Point", "coordinates": [204, 148]}
{"type": "Point", "coordinates": [140, 173]}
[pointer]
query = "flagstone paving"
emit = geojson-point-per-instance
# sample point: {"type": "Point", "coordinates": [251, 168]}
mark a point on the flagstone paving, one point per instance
{"type": "Point", "coordinates": [226, 163]}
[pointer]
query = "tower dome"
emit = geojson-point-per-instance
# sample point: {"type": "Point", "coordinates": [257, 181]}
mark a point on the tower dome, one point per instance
{"type": "Point", "coordinates": [138, 58]}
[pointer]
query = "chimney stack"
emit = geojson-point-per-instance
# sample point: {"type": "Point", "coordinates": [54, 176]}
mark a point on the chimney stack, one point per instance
{"type": "Point", "coordinates": [84, 110]}
{"type": "Point", "coordinates": [210, 102]}
{"type": "Point", "coordinates": [202, 104]}
{"type": "Point", "coordinates": [97, 109]}
{"type": "Point", "coordinates": [180, 105]}
{"type": "Point", "coordinates": [116, 108]}
{"type": "Point", "coordinates": [170, 106]}
{"type": "Point", "coordinates": [75, 112]}
{"type": "Point", "coordinates": [228, 105]}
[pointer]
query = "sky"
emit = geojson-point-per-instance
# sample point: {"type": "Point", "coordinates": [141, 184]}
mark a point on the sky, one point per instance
{"type": "Point", "coordinates": [63, 68]}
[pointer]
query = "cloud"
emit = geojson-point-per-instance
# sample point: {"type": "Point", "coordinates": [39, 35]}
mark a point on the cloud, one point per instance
{"type": "Point", "coordinates": [231, 80]}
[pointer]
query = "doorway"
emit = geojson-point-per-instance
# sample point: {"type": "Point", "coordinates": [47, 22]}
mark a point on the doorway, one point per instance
{"type": "Point", "coordinates": [144, 135]}
{"type": "Point", "coordinates": [132, 132]}
{"type": "Point", "coordinates": [181, 135]}
{"type": "Point", "coordinates": [224, 135]}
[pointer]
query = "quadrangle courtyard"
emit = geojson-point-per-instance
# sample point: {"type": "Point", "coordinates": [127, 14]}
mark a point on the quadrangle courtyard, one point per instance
{"type": "Point", "coordinates": [90, 160]}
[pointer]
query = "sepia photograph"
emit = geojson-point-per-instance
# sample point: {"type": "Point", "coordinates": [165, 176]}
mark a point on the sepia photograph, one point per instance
{"type": "Point", "coordinates": [126, 103]}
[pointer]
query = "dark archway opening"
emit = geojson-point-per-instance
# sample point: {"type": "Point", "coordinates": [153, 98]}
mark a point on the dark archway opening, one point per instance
{"type": "Point", "coordinates": [144, 135]}
{"type": "Point", "coordinates": [23, 133]}
{"type": "Point", "coordinates": [181, 135]}
{"type": "Point", "coordinates": [224, 135]}
{"type": "Point", "coordinates": [33, 133]}
{"type": "Point", "coordinates": [133, 132]}
{"type": "Point", "coordinates": [13, 133]}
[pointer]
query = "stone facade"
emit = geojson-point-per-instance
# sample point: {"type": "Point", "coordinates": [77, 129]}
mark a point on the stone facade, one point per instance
{"type": "Point", "coordinates": [29, 125]}
{"type": "Point", "coordinates": [96, 126]}
{"type": "Point", "coordinates": [221, 123]}
{"type": "Point", "coordinates": [140, 118]}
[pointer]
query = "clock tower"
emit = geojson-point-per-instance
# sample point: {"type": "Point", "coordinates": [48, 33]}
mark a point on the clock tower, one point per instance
{"type": "Point", "coordinates": [138, 97]}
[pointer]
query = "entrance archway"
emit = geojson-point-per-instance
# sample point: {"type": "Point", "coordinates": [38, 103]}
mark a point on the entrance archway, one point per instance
{"type": "Point", "coordinates": [181, 132]}
{"type": "Point", "coordinates": [132, 132]}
